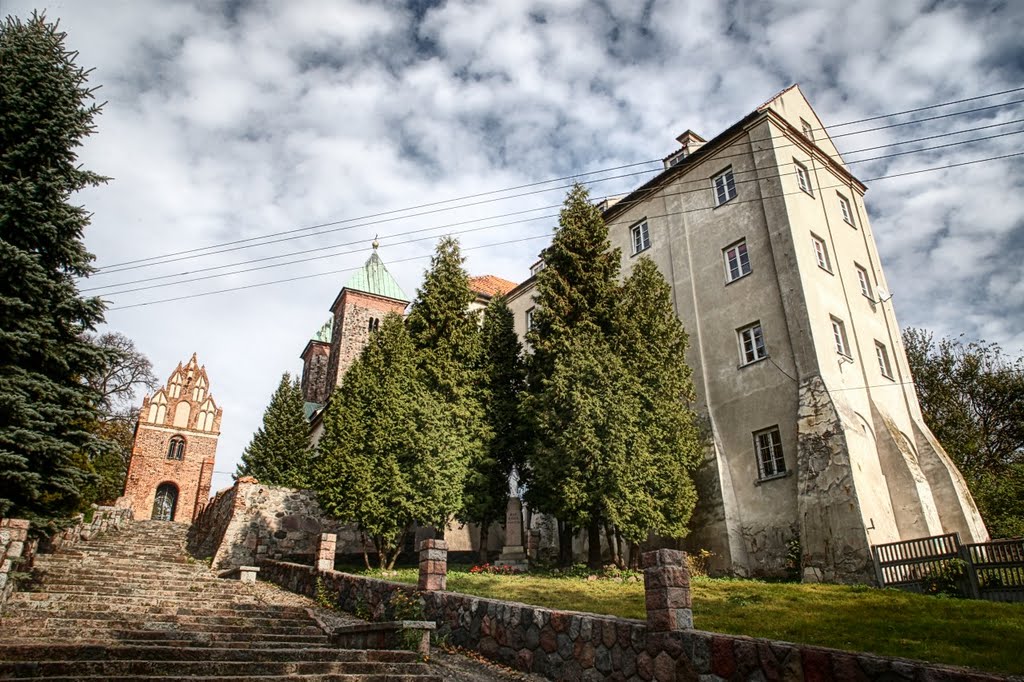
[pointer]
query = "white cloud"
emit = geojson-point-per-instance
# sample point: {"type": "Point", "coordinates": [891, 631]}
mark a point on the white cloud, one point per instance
{"type": "Point", "coordinates": [286, 115]}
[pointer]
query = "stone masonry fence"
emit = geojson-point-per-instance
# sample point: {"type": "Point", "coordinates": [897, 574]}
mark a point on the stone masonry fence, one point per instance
{"type": "Point", "coordinates": [567, 645]}
{"type": "Point", "coordinates": [18, 549]}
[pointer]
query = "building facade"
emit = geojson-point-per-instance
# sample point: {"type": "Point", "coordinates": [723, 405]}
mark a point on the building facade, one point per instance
{"type": "Point", "coordinates": [174, 450]}
{"type": "Point", "coordinates": [818, 445]}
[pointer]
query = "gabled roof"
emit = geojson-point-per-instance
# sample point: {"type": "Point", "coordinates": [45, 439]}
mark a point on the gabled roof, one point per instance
{"type": "Point", "coordinates": [374, 278]}
{"type": "Point", "coordinates": [489, 285]}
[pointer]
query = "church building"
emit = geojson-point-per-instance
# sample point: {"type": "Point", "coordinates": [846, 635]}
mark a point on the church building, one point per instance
{"type": "Point", "coordinates": [175, 444]}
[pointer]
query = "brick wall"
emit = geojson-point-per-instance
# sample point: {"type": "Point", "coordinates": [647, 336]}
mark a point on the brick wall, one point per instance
{"type": "Point", "coordinates": [315, 359]}
{"type": "Point", "coordinates": [566, 645]}
{"type": "Point", "coordinates": [150, 467]}
{"type": "Point", "coordinates": [352, 313]}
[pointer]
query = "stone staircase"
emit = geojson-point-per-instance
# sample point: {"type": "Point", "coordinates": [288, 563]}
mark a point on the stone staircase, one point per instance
{"type": "Point", "coordinates": [130, 605]}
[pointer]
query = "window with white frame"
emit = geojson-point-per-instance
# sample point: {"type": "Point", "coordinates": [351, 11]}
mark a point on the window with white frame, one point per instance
{"type": "Point", "coordinates": [839, 334]}
{"type": "Point", "coordinates": [807, 129]}
{"type": "Point", "coordinates": [821, 253]}
{"type": "Point", "coordinates": [725, 186]}
{"type": "Point", "coordinates": [768, 446]}
{"type": "Point", "coordinates": [752, 346]}
{"type": "Point", "coordinates": [862, 278]}
{"type": "Point", "coordinates": [529, 319]}
{"type": "Point", "coordinates": [641, 237]}
{"type": "Point", "coordinates": [737, 261]}
{"type": "Point", "coordinates": [803, 178]}
{"type": "Point", "coordinates": [846, 209]}
{"type": "Point", "coordinates": [883, 359]}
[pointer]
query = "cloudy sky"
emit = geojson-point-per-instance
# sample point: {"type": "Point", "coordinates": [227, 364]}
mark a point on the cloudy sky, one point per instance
{"type": "Point", "coordinates": [230, 121]}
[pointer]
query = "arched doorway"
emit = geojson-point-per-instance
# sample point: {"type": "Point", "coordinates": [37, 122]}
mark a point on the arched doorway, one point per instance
{"type": "Point", "coordinates": [165, 503]}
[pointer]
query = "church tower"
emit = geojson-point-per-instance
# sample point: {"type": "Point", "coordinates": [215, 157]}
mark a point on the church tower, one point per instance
{"type": "Point", "coordinates": [175, 444]}
{"type": "Point", "coordinates": [367, 297]}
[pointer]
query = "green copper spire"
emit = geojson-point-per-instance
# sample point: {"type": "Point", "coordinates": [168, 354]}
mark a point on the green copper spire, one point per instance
{"type": "Point", "coordinates": [374, 278]}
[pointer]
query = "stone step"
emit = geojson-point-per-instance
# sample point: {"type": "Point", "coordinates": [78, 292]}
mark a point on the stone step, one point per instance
{"type": "Point", "coordinates": [201, 591]}
{"type": "Point", "coordinates": [188, 669]}
{"type": "Point", "coordinates": [164, 623]}
{"type": "Point", "coordinates": [103, 610]}
{"type": "Point", "coordinates": [139, 634]}
{"type": "Point", "coordinates": [340, 677]}
{"type": "Point", "coordinates": [161, 652]}
{"type": "Point", "coordinates": [23, 599]}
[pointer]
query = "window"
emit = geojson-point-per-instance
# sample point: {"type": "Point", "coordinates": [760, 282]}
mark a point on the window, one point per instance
{"type": "Point", "coordinates": [737, 262]}
{"type": "Point", "coordinates": [529, 319]}
{"type": "Point", "coordinates": [839, 334]}
{"type": "Point", "coordinates": [865, 284]}
{"type": "Point", "coordinates": [641, 237]}
{"type": "Point", "coordinates": [768, 446]}
{"type": "Point", "coordinates": [883, 360]}
{"type": "Point", "coordinates": [802, 177]}
{"type": "Point", "coordinates": [807, 129]}
{"type": "Point", "coordinates": [844, 206]}
{"type": "Point", "coordinates": [373, 324]}
{"type": "Point", "coordinates": [821, 253]}
{"type": "Point", "coordinates": [752, 346]}
{"type": "Point", "coordinates": [725, 187]}
{"type": "Point", "coordinates": [536, 267]}
{"type": "Point", "coordinates": [176, 449]}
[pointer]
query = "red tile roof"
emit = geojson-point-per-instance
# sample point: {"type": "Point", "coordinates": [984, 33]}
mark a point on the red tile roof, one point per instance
{"type": "Point", "coordinates": [489, 285]}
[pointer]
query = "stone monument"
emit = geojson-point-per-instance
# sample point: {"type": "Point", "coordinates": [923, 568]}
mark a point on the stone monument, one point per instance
{"type": "Point", "coordinates": [513, 553]}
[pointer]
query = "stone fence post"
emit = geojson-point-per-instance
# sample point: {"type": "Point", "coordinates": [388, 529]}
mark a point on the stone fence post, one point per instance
{"type": "Point", "coordinates": [667, 591]}
{"type": "Point", "coordinates": [433, 565]}
{"type": "Point", "coordinates": [325, 551]}
{"type": "Point", "coordinates": [14, 550]}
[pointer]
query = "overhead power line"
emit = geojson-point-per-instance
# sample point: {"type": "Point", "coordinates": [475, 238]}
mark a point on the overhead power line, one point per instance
{"type": "Point", "coordinates": [321, 249]}
{"type": "Point", "coordinates": [199, 251]}
{"type": "Point", "coordinates": [544, 236]}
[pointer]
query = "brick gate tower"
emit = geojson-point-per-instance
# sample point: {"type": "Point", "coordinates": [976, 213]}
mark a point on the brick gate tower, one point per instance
{"type": "Point", "coordinates": [175, 443]}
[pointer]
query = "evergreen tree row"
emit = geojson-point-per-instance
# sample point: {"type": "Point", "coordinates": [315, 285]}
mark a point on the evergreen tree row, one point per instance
{"type": "Point", "coordinates": [439, 412]}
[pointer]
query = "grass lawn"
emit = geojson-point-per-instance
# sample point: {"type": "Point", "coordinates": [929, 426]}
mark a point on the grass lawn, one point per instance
{"type": "Point", "coordinates": [978, 634]}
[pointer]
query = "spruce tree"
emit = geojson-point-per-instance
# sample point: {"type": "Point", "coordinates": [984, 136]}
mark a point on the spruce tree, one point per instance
{"type": "Point", "coordinates": [487, 480]}
{"type": "Point", "coordinates": [575, 315]}
{"type": "Point", "coordinates": [666, 449]}
{"type": "Point", "coordinates": [279, 453]}
{"type": "Point", "coordinates": [46, 112]}
{"type": "Point", "coordinates": [446, 336]}
{"type": "Point", "coordinates": [387, 457]}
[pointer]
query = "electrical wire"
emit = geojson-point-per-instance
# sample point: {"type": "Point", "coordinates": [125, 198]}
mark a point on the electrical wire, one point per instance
{"type": "Point", "coordinates": [149, 280]}
{"type": "Point", "coordinates": [146, 262]}
{"type": "Point", "coordinates": [544, 236]}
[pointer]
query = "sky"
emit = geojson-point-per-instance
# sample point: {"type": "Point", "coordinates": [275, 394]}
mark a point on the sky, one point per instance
{"type": "Point", "coordinates": [327, 124]}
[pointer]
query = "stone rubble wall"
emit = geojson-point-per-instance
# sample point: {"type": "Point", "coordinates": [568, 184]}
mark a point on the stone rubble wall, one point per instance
{"type": "Point", "coordinates": [251, 521]}
{"type": "Point", "coordinates": [565, 645]}
{"type": "Point", "coordinates": [17, 549]}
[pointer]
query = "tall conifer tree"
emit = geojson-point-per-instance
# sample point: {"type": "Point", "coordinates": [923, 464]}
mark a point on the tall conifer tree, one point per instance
{"type": "Point", "coordinates": [46, 112]}
{"type": "Point", "coordinates": [666, 449]}
{"type": "Point", "coordinates": [573, 323]}
{"type": "Point", "coordinates": [446, 336]}
{"type": "Point", "coordinates": [487, 480]}
{"type": "Point", "coordinates": [279, 453]}
{"type": "Point", "coordinates": [386, 459]}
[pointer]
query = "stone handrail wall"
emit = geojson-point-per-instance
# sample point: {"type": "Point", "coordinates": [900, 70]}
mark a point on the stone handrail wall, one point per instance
{"type": "Point", "coordinates": [251, 521]}
{"type": "Point", "coordinates": [208, 528]}
{"type": "Point", "coordinates": [18, 549]}
{"type": "Point", "coordinates": [565, 645]}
